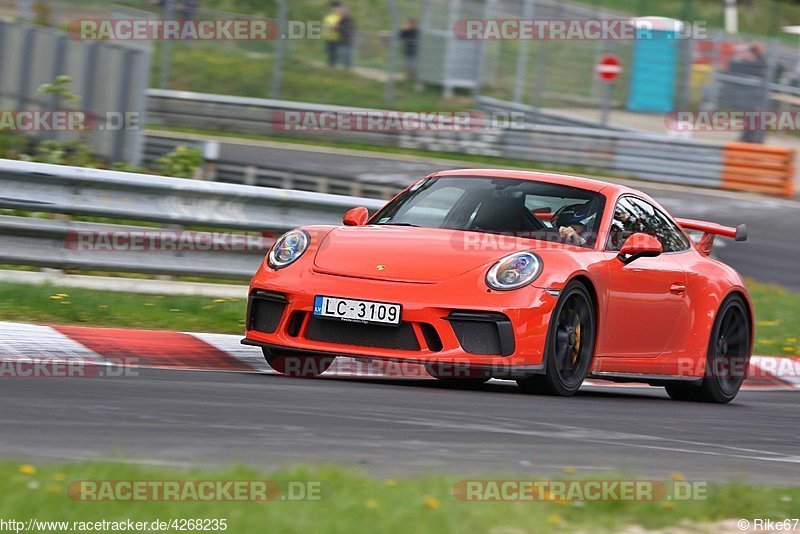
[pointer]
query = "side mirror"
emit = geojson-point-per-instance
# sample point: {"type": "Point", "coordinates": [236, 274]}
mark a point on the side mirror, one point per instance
{"type": "Point", "coordinates": [356, 217]}
{"type": "Point", "coordinates": [639, 246]}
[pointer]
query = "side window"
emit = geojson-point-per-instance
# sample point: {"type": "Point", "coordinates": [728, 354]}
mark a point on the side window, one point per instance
{"type": "Point", "coordinates": [671, 237]}
{"type": "Point", "coordinates": [635, 215]}
{"type": "Point", "coordinates": [626, 222]}
{"type": "Point", "coordinates": [432, 208]}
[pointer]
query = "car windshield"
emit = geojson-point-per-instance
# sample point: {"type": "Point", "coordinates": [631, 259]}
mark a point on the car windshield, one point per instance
{"type": "Point", "coordinates": [523, 208]}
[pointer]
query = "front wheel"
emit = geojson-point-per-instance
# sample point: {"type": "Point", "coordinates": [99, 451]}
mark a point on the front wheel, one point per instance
{"type": "Point", "coordinates": [570, 345]}
{"type": "Point", "coordinates": [727, 359]}
{"type": "Point", "coordinates": [298, 366]}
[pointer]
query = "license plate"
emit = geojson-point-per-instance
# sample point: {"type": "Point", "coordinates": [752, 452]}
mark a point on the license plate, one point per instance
{"type": "Point", "coordinates": [359, 311]}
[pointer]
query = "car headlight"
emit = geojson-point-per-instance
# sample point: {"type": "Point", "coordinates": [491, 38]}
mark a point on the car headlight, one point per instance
{"type": "Point", "coordinates": [288, 248]}
{"type": "Point", "coordinates": [514, 271]}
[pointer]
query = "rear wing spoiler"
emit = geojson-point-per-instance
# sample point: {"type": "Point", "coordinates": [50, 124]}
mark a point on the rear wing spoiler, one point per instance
{"type": "Point", "coordinates": [711, 230]}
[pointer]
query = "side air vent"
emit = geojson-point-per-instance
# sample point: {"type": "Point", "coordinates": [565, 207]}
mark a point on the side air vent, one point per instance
{"type": "Point", "coordinates": [483, 333]}
{"type": "Point", "coordinates": [265, 311]}
{"type": "Point", "coordinates": [431, 336]}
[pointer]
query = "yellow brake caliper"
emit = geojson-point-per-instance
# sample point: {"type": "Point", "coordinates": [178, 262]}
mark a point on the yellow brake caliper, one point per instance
{"type": "Point", "coordinates": [577, 348]}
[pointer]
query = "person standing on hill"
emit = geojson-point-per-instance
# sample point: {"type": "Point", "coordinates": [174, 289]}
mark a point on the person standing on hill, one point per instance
{"type": "Point", "coordinates": [409, 36]}
{"type": "Point", "coordinates": [347, 30]}
{"type": "Point", "coordinates": [189, 9]}
{"type": "Point", "coordinates": [331, 34]}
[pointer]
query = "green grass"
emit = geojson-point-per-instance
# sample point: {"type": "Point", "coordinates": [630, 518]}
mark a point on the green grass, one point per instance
{"type": "Point", "coordinates": [566, 78]}
{"type": "Point", "coordinates": [777, 320]}
{"type": "Point", "coordinates": [777, 312]}
{"type": "Point", "coordinates": [225, 69]}
{"type": "Point", "coordinates": [43, 304]}
{"type": "Point", "coordinates": [354, 502]}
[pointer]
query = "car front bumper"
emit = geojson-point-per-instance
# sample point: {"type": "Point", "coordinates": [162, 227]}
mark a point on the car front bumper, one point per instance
{"type": "Point", "coordinates": [458, 321]}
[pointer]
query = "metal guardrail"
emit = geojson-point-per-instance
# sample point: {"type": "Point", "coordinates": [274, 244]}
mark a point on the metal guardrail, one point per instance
{"type": "Point", "coordinates": [173, 202]}
{"type": "Point", "coordinates": [635, 156]}
{"type": "Point", "coordinates": [255, 115]}
{"type": "Point", "coordinates": [52, 243]}
{"type": "Point", "coordinates": [278, 174]}
{"type": "Point", "coordinates": [626, 153]}
{"type": "Point", "coordinates": [774, 89]}
{"type": "Point", "coordinates": [541, 116]}
{"type": "Point", "coordinates": [646, 157]}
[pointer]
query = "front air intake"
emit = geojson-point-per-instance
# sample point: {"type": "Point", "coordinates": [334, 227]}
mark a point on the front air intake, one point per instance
{"type": "Point", "coordinates": [265, 311]}
{"type": "Point", "coordinates": [483, 333]}
{"type": "Point", "coordinates": [400, 337]}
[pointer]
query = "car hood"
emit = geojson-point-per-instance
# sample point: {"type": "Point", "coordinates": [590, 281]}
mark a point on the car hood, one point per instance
{"type": "Point", "coordinates": [407, 254]}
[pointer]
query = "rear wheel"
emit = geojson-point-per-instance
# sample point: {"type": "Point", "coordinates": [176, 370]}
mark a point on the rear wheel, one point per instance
{"type": "Point", "coordinates": [297, 366]}
{"type": "Point", "coordinates": [727, 359]}
{"type": "Point", "coordinates": [456, 374]}
{"type": "Point", "coordinates": [570, 345]}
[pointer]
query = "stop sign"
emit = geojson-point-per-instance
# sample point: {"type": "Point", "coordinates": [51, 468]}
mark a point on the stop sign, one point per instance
{"type": "Point", "coordinates": [608, 68]}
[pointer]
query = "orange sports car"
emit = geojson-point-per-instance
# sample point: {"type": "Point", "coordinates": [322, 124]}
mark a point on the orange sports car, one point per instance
{"type": "Point", "coordinates": [541, 278]}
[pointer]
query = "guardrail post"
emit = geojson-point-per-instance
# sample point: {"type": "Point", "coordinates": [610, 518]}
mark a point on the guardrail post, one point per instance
{"type": "Point", "coordinates": [454, 9]}
{"type": "Point", "coordinates": [522, 56]}
{"type": "Point", "coordinates": [211, 151]}
{"type": "Point", "coordinates": [280, 48]}
{"type": "Point", "coordinates": [251, 175]}
{"type": "Point", "coordinates": [392, 63]}
{"type": "Point", "coordinates": [29, 40]}
{"type": "Point", "coordinates": [120, 140]}
{"type": "Point", "coordinates": [487, 14]}
{"type": "Point", "coordinates": [538, 74]}
{"type": "Point", "coordinates": [2, 44]}
{"type": "Point", "coordinates": [166, 47]}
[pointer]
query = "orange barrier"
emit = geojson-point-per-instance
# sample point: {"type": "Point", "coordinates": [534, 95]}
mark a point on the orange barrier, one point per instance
{"type": "Point", "coordinates": [758, 168]}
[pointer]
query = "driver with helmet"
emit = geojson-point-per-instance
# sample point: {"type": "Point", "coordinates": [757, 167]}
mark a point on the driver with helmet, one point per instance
{"type": "Point", "coordinates": [574, 223]}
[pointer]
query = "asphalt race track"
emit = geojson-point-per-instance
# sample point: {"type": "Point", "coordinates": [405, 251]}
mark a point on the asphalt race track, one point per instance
{"type": "Point", "coordinates": [401, 427]}
{"type": "Point", "coordinates": [396, 427]}
{"type": "Point", "coordinates": [772, 253]}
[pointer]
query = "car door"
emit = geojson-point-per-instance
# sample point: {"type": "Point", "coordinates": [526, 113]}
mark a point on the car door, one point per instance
{"type": "Point", "coordinates": [646, 302]}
